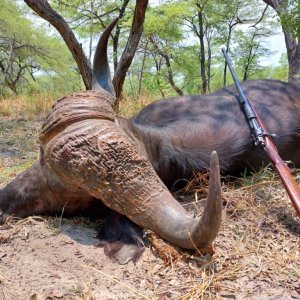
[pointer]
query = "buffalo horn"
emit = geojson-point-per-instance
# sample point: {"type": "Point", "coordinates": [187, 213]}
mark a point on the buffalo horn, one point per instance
{"type": "Point", "coordinates": [101, 71]}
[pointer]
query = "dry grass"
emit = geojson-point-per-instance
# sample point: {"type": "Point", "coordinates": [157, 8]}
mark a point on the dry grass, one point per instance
{"type": "Point", "coordinates": [129, 107]}
{"type": "Point", "coordinates": [25, 106]}
{"type": "Point", "coordinates": [258, 248]}
{"type": "Point", "coordinates": [31, 107]}
{"type": "Point", "coordinates": [19, 146]}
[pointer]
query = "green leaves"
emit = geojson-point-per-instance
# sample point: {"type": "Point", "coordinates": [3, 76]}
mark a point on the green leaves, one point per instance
{"type": "Point", "coordinates": [165, 22]}
{"type": "Point", "coordinates": [174, 31]}
{"type": "Point", "coordinates": [290, 16]}
{"type": "Point", "coordinates": [28, 52]}
{"type": "Point", "coordinates": [178, 52]}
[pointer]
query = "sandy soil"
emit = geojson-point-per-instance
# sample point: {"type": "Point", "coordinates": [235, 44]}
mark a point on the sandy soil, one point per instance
{"type": "Point", "coordinates": [257, 253]}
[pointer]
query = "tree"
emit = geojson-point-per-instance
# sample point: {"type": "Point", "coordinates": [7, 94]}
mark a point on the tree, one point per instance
{"type": "Point", "coordinates": [43, 9]}
{"type": "Point", "coordinates": [198, 25]}
{"type": "Point", "coordinates": [232, 15]}
{"type": "Point", "coordinates": [88, 17]}
{"type": "Point", "coordinates": [180, 47]}
{"type": "Point", "coordinates": [162, 34]}
{"type": "Point", "coordinates": [131, 46]}
{"type": "Point", "coordinates": [249, 49]}
{"type": "Point", "coordinates": [25, 49]}
{"type": "Point", "coordinates": [289, 15]}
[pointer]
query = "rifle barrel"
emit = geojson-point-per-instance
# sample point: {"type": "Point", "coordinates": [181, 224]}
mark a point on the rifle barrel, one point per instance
{"type": "Point", "coordinates": [234, 76]}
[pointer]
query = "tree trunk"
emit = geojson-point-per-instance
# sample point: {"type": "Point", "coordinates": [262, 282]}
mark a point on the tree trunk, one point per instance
{"type": "Point", "coordinates": [91, 35]}
{"type": "Point", "coordinates": [169, 67]}
{"type": "Point", "coordinates": [202, 52]}
{"type": "Point", "coordinates": [142, 70]}
{"type": "Point", "coordinates": [208, 67]}
{"type": "Point", "coordinates": [91, 44]}
{"type": "Point", "coordinates": [293, 54]}
{"type": "Point", "coordinates": [158, 67]}
{"type": "Point", "coordinates": [117, 35]}
{"type": "Point", "coordinates": [131, 46]}
{"type": "Point", "coordinates": [231, 25]}
{"type": "Point", "coordinates": [292, 43]}
{"type": "Point", "coordinates": [170, 77]}
{"type": "Point", "coordinates": [227, 51]}
{"type": "Point", "coordinates": [44, 10]}
{"type": "Point", "coordinates": [12, 87]}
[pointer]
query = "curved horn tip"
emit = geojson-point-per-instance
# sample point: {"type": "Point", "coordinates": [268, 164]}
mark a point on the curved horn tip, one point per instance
{"type": "Point", "coordinates": [210, 222]}
{"type": "Point", "coordinates": [214, 158]}
{"type": "Point", "coordinates": [214, 170]}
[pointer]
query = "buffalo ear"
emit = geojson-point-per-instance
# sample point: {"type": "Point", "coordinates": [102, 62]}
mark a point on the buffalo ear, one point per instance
{"type": "Point", "coordinates": [122, 240]}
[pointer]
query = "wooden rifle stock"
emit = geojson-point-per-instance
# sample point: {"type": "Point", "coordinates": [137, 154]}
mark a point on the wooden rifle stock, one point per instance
{"type": "Point", "coordinates": [262, 138]}
{"type": "Point", "coordinates": [283, 170]}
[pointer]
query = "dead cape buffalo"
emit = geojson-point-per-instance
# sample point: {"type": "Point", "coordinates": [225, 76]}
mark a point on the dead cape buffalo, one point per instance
{"type": "Point", "coordinates": [90, 156]}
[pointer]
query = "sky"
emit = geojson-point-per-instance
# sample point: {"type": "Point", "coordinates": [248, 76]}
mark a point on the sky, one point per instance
{"type": "Point", "coordinates": [277, 44]}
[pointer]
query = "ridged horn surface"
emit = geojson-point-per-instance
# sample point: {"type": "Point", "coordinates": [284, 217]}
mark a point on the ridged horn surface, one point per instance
{"type": "Point", "coordinates": [101, 70]}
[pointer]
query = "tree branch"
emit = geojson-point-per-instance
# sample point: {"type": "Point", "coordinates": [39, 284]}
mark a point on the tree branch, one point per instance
{"type": "Point", "coordinates": [116, 36]}
{"type": "Point", "coordinates": [44, 10]}
{"type": "Point", "coordinates": [168, 63]}
{"type": "Point", "coordinates": [131, 46]}
{"type": "Point", "coordinates": [262, 16]}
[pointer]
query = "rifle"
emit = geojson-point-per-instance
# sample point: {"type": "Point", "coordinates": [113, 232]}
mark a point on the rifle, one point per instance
{"type": "Point", "coordinates": [262, 138]}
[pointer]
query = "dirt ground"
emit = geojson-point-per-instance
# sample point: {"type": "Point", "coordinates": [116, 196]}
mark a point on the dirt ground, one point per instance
{"type": "Point", "coordinates": [257, 253]}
